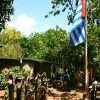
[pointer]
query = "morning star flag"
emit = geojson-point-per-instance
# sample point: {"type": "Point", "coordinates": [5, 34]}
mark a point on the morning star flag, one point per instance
{"type": "Point", "coordinates": [77, 33]}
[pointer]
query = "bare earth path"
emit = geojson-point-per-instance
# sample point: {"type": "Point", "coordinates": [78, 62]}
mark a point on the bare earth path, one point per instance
{"type": "Point", "coordinates": [54, 94]}
{"type": "Point", "coordinates": [1, 94]}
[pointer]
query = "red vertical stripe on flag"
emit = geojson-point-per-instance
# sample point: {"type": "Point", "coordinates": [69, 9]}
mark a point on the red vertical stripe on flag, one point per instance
{"type": "Point", "coordinates": [83, 8]}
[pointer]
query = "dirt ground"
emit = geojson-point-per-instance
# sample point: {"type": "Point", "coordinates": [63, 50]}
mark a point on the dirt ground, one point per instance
{"type": "Point", "coordinates": [54, 94]}
{"type": "Point", "coordinates": [2, 94]}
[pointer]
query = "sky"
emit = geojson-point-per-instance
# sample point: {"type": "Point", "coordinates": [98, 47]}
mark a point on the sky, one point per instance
{"type": "Point", "coordinates": [29, 16]}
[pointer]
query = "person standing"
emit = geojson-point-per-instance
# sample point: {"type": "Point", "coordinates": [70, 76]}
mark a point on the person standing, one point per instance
{"type": "Point", "coordinates": [93, 89]}
{"type": "Point", "coordinates": [11, 86]}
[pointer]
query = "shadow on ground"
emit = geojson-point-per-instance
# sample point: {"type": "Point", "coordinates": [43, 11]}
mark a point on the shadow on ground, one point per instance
{"type": "Point", "coordinates": [60, 94]}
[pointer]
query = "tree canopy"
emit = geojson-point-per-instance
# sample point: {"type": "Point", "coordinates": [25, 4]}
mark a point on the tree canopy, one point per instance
{"type": "Point", "coordinates": [54, 44]}
{"type": "Point", "coordinates": [10, 47]}
{"type": "Point", "coordinates": [93, 9]}
{"type": "Point", "coordinates": [6, 10]}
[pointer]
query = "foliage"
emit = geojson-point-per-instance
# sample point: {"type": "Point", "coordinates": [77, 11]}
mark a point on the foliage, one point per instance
{"type": "Point", "coordinates": [16, 72]}
{"type": "Point", "coordinates": [3, 78]}
{"type": "Point", "coordinates": [93, 22]}
{"type": "Point", "coordinates": [6, 9]}
{"type": "Point", "coordinates": [11, 51]}
{"type": "Point", "coordinates": [55, 40]}
{"type": "Point", "coordinates": [8, 41]}
{"type": "Point", "coordinates": [3, 81]}
{"type": "Point", "coordinates": [27, 71]}
{"type": "Point", "coordinates": [25, 45]}
{"type": "Point", "coordinates": [54, 46]}
{"type": "Point", "coordinates": [37, 47]}
{"type": "Point", "coordinates": [46, 45]}
{"type": "Point", "coordinates": [9, 36]}
{"type": "Point", "coordinates": [5, 71]}
{"type": "Point", "coordinates": [93, 47]}
{"type": "Point", "coordinates": [59, 71]}
{"type": "Point", "coordinates": [93, 9]}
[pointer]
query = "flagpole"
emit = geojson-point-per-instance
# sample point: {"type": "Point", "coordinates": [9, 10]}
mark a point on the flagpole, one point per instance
{"type": "Point", "coordinates": [75, 36]}
{"type": "Point", "coordinates": [86, 62]}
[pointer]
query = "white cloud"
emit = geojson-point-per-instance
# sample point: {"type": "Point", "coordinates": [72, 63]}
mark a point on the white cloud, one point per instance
{"type": "Point", "coordinates": [24, 24]}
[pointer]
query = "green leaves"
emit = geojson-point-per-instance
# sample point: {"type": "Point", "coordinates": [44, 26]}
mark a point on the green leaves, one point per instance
{"type": "Point", "coordinates": [93, 46]}
{"type": "Point", "coordinates": [9, 36]}
{"type": "Point", "coordinates": [11, 51]}
{"type": "Point", "coordinates": [6, 9]}
{"type": "Point", "coordinates": [8, 39]}
{"type": "Point", "coordinates": [93, 9]}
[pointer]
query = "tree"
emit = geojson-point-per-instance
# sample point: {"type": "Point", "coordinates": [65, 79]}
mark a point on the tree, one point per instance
{"type": "Point", "coordinates": [10, 47]}
{"type": "Point", "coordinates": [55, 40]}
{"type": "Point", "coordinates": [11, 51]}
{"type": "Point", "coordinates": [93, 49]}
{"type": "Point", "coordinates": [6, 9]}
{"type": "Point", "coordinates": [45, 45]}
{"type": "Point", "coordinates": [9, 36]}
{"type": "Point", "coordinates": [25, 44]}
{"type": "Point", "coordinates": [37, 46]}
{"type": "Point", "coordinates": [70, 6]}
{"type": "Point", "coordinates": [93, 22]}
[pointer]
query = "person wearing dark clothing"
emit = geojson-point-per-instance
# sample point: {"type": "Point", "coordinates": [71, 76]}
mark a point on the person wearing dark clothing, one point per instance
{"type": "Point", "coordinates": [11, 86]}
{"type": "Point", "coordinates": [93, 90]}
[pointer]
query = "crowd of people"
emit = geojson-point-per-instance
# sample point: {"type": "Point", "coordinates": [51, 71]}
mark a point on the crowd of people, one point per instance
{"type": "Point", "coordinates": [63, 79]}
{"type": "Point", "coordinates": [27, 88]}
{"type": "Point", "coordinates": [35, 88]}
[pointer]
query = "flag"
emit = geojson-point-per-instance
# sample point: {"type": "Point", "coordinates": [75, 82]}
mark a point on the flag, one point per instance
{"type": "Point", "coordinates": [77, 33]}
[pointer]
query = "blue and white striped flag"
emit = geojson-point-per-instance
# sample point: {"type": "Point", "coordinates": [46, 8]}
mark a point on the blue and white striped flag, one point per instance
{"type": "Point", "coordinates": [77, 33]}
